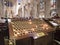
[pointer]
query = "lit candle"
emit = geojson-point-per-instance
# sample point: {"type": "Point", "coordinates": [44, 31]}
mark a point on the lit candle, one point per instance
{"type": "Point", "coordinates": [36, 26]}
{"type": "Point", "coordinates": [30, 22]}
{"type": "Point", "coordinates": [18, 33]}
{"type": "Point", "coordinates": [32, 29]}
{"type": "Point", "coordinates": [15, 35]}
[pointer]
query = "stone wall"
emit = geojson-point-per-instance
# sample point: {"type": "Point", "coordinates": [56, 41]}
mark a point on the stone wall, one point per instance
{"type": "Point", "coordinates": [30, 8]}
{"type": "Point", "coordinates": [1, 9]}
{"type": "Point", "coordinates": [34, 7]}
{"type": "Point", "coordinates": [47, 11]}
{"type": "Point", "coordinates": [58, 7]}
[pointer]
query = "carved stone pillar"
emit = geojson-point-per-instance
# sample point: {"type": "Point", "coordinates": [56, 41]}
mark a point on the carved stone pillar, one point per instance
{"type": "Point", "coordinates": [58, 7]}
{"type": "Point", "coordinates": [22, 11]}
{"type": "Point", "coordinates": [47, 10]}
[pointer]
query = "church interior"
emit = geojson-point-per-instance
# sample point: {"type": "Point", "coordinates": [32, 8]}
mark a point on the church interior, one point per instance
{"type": "Point", "coordinates": [29, 22]}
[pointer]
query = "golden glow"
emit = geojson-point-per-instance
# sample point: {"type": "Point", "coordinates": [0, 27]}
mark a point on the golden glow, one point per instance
{"type": "Point", "coordinates": [36, 26]}
{"type": "Point", "coordinates": [32, 29]}
{"type": "Point", "coordinates": [30, 22]}
{"type": "Point", "coordinates": [22, 28]}
{"type": "Point", "coordinates": [14, 30]}
{"type": "Point", "coordinates": [40, 34]}
{"type": "Point", "coordinates": [45, 27]}
{"type": "Point", "coordinates": [18, 33]}
{"type": "Point", "coordinates": [25, 31]}
{"type": "Point", "coordinates": [15, 35]}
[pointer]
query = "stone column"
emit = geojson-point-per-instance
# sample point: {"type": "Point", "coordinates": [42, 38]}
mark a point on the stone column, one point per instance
{"type": "Point", "coordinates": [47, 8]}
{"type": "Point", "coordinates": [22, 11]}
{"type": "Point", "coordinates": [35, 16]}
{"type": "Point", "coordinates": [1, 8]}
{"type": "Point", "coordinates": [38, 8]}
{"type": "Point", "coordinates": [58, 7]}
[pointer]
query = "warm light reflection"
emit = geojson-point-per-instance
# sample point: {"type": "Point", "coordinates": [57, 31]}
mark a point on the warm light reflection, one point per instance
{"type": "Point", "coordinates": [32, 29]}
{"type": "Point", "coordinates": [24, 28]}
{"type": "Point", "coordinates": [18, 33]}
{"type": "Point", "coordinates": [26, 32]}
{"type": "Point", "coordinates": [40, 34]}
{"type": "Point", "coordinates": [36, 26]}
{"type": "Point", "coordinates": [14, 30]}
{"type": "Point", "coordinates": [15, 35]}
{"type": "Point", "coordinates": [30, 22]}
{"type": "Point", "coordinates": [45, 27]}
